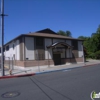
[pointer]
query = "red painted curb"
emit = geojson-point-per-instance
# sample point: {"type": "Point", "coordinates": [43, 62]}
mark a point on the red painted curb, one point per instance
{"type": "Point", "coordinates": [15, 76]}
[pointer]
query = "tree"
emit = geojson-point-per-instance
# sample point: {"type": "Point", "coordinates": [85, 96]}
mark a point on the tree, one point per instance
{"type": "Point", "coordinates": [60, 32]}
{"type": "Point", "coordinates": [97, 55]}
{"type": "Point", "coordinates": [93, 34]}
{"type": "Point", "coordinates": [82, 37]}
{"type": "Point", "coordinates": [92, 44]}
{"type": "Point", "coordinates": [98, 30]}
{"type": "Point", "coordinates": [67, 33]}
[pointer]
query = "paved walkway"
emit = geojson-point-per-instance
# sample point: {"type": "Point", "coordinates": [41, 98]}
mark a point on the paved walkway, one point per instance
{"type": "Point", "coordinates": [37, 70]}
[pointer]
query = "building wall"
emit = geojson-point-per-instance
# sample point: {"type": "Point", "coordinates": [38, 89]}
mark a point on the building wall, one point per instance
{"type": "Point", "coordinates": [17, 50]}
{"type": "Point", "coordinates": [72, 60]}
{"type": "Point", "coordinates": [29, 52]}
{"type": "Point", "coordinates": [48, 42]}
{"type": "Point", "coordinates": [58, 40]}
{"type": "Point", "coordinates": [69, 51]}
{"type": "Point", "coordinates": [80, 50]}
{"type": "Point", "coordinates": [21, 46]}
{"type": "Point", "coordinates": [63, 54]}
{"type": "Point", "coordinates": [29, 48]}
{"type": "Point", "coordinates": [30, 63]}
{"type": "Point", "coordinates": [48, 52]}
{"type": "Point", "coordinates": [13, 51]}
{"type": "Point", "coordinates": [68, 42]}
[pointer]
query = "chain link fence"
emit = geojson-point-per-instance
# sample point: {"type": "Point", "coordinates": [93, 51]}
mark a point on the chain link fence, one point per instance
{"type": "Point", "coordinates": [8, 63]}
{"type": "Point", "coordinates": [8, 66]}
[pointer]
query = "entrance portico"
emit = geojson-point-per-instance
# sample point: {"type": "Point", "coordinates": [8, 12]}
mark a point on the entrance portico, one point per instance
{"type": "Point", "coordinates": [60, 51]}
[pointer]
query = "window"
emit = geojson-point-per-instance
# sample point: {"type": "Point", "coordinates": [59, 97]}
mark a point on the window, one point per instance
{"type": "Point", "coordinates": [7, 48]}
{"type": "Point", "coordinates": [75, 44]}
{"type": "Point", "coordinates": [39, 41]}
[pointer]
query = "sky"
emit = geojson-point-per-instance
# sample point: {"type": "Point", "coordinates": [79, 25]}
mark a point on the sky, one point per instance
{"type": "Point", "coordinates": [81, 17]}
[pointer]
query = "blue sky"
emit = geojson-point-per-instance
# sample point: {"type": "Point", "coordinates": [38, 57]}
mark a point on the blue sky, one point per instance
{"type": "Point", "coordinates": [81, 17]}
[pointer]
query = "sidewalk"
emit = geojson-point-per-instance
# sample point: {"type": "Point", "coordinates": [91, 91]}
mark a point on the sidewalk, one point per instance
{"type": "Point", "coordinates": [45, 69]}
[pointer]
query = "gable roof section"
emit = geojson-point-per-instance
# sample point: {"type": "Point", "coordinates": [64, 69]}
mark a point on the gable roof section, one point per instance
{"type": "Point", "coordinates": [47, 30]}
{"type": "Point", "coordinates": [52, 36]}
{"type": "Point", "coordinates": [57, 43]}
{"type": "Point", "coordinates": [48, 33]}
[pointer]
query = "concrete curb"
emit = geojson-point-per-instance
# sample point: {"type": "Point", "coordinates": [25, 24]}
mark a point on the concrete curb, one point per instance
{"type": "Point", "coordinates": [15, 76]}
{"type": "Point", "coordinates": [24, 75]}
{"type": "Point", "coordinates": [91, 65]}
{"type": "Point", "coordinates": [56, 70]}
{"type": "Point", "coordinates": [64, 69]}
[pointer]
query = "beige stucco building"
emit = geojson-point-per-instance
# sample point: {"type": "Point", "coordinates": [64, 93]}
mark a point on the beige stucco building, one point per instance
{"type": "Point", "coordinates": [45, 47]}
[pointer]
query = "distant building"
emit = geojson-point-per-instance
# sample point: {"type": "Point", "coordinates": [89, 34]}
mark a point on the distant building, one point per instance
{"type": "Point", "coordinates": [44, 46]}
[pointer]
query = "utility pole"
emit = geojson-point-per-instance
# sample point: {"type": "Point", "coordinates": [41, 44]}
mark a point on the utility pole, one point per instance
{"type": "Point", "coordinates": [2, 35]}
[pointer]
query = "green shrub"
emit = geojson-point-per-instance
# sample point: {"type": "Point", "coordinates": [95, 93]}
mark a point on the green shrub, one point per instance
{"type": "Point", "coordinates": [97, 54]}
{"type": "Point", "coordinates": [91, 55]}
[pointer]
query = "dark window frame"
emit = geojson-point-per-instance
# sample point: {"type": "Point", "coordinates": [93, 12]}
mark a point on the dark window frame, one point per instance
{"type": "Point", "coordinates": [39, 41]}
{"type": "Point", "coordinates": [75, 44]}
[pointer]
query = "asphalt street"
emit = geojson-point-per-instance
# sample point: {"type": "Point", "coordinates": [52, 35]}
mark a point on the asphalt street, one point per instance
{"type": "Point", "coordinates": [75, 84]}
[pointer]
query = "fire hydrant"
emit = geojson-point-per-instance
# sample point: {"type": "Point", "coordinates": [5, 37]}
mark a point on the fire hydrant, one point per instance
{"type": "Point", "coordinates": [10, 71]}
